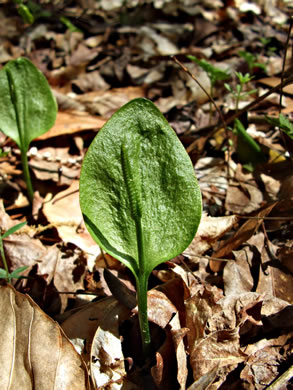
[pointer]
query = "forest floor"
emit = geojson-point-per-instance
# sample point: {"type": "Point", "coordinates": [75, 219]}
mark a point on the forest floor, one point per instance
{"type": "Point", "coordinates": [221, 312]}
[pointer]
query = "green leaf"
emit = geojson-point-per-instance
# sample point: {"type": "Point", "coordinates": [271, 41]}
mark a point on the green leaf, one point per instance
{"type": "Point", "coordinates": [248, 150]}
{"type": "Point", "coordinates": [27, 106]}
{"type": "Point", "coordinates": [71, 27]}
{"type": "Point", "coordinates": [138, 181]}
{"type": "Point", "coordinates": [282, 122]}
{"type": "Point", "coordinates": [13, 229]}
{"type": "Point", "coordinates": [3, 273]}
{"type": "Point", "coordinates": [214, 73]}
{"type": "Point", "coordinates": [286, 125]}
{"type": "Point", "coordinates": [15, 273]}
{"type": "Point", "coordinates": [26, 14]}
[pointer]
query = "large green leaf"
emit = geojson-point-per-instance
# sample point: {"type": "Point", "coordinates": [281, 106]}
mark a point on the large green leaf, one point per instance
{"type": "Point", "coordinates": [27, 105]}
{"type": "Point", "coordinates": [137, 179]}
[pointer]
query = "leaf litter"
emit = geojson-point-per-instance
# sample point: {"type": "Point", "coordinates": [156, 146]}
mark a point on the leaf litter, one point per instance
{"type": "Point", "coordinates": [221, 313]}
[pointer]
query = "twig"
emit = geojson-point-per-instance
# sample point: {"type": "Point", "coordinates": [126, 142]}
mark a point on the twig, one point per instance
{"type": "Point", "coordinates": [282, 79]}
{"type": "Point", "coordinates": [224, 124]}
{"type": "Point", "coordinates": [282, 380]}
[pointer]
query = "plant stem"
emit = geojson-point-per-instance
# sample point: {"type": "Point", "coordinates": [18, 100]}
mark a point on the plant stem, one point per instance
{"type": "Point", "coordinates": [27, 176]}
{"type": "Point", "coordinates": [211, 104]}
{"type": "Point", "coordinates": [142, 289]}
{"type": "Point", "coordinates": [4, 259]}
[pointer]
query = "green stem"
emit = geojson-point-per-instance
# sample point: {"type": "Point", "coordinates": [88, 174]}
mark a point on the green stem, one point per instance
{"type": "Point", "coordinates": [211, 103]}
{"type": "Point", "coordinates": [4, 259]}
{"type": "Point", "coordinates": [142, 289]}
{"type": "Point", "coordinates": [27, 176]}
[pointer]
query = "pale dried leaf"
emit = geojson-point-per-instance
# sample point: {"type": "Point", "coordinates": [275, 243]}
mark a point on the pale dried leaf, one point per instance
{"type": "Point", "coordinates": [73, 122]}
{"type": "Point", "coordinates": [210, 230]}
{"type": "Point", "coordinates": [178, 334]}
{"type": "Point", "coordinates": [63, 211]}
{"type": "Point", "coordinates": [34, 352]}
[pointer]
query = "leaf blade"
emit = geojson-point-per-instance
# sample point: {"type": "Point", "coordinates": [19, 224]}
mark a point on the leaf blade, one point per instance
{"type": "Point", "coordinates": [169, 221]}
{"type": "Point", "coordinates": [28, 108]}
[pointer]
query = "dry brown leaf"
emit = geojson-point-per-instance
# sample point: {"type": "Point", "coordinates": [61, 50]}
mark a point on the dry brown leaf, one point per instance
{"type": "Point", "coordinates": [241, 275]}
{"type": "Point", "coordinates": [34, 352]}
{"type": "Point", "coordinates": [243, 199]}
{"type": "Point", "coordinates": [107, 359]}
{"type": "Point", "coordinates": [242, 234]}
{"type": "Point", "coordinates": [73, 122]}
{"type": "Point", "coordinates": [274, 278]}
{"type": "Point", "coordinates": [95, 327]}
{"type": "Point", "coordinates": [105, 103]}
{"type": "Point", "coordinates": [160, 308]}
{"type": "Point", "coordinates": [220, 349]}
{"type": "Point", "coordinates": [210, 230]}
{"type": "Point", "coordinates": [64, 212]}
{"type": "Point", "coordinates": [56, 164]}
{"type": "Point", "coordinates": [262, 366]}
{"type": "Point", "coordinates": [168, 365]}
{"type": "Point", "coordinates": [215, 328]}
{"type": "Point", "coordinates": [178, 334]}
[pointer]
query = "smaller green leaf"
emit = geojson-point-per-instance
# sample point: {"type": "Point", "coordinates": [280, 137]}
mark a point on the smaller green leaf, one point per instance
{"type": "Point", "coordinates": [282, 122]}
{"type": "Point", "coordinates": [286, 125]}
{"type": "Point", "coordinates": [27, 106]}
{"type": "Point", "coordinates": [3, 273]}
{"type": "Point", "coordinates": [26, 14]}
{"type": "Point", "coordinates": [13, 229]}
{"type": "Point", "coordinates": [71, 27]}
{"type": "Point", "coordinates": [214, 73]}
{"type": "Point", "coordinates": [228, 87]}
{"type": "Point", "coordinates": [248, 150]}
{"type": "Point", "coordinates": [15, 273]}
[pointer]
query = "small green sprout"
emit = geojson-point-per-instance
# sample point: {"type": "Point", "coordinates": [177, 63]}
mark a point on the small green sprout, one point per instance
{"type": "Point", "coordinates": [71, 27]}
{"type": "Point", "coordinates": [251, 60]}
{"type": "Point", "coordinates": [214, 73]}
{"type": "Point", "coordinates": [139, 196]}
{"type": "Point", "coordinates": [30, 11]}
{"type": "Point", "coordinates": [268, 46]}
{"type": "Point", "coordinates": [283, 123]}
{"type": "Point", "coordinates": [28, 108]}
{"type": "Point", "coordinates": [239, 93]}
{"type": "Point", "coordinates": [4, 273]}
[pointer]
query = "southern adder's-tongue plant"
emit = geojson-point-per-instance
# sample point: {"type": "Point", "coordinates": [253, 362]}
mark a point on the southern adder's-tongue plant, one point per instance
{"type": "Point", "coordinates": [138, 194]}
{"type": "Point", "coordinates": [27, 107]}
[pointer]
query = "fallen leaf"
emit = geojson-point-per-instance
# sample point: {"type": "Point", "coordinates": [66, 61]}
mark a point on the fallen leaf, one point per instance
{"type": "Point", "coordinates": [34, 352]}
{"type": "Point", "coordinates": [63, 211]}
{"type": "Point", "coordinates": [73, 122]}
{"type": "Point", "coordinates": [241, 235]}
{"type": "Point", "coordinates": [210, 230]}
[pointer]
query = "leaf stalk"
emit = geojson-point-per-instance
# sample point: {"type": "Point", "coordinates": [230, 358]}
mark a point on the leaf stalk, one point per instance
{"type": "Point", "coordinates": [27, 176]}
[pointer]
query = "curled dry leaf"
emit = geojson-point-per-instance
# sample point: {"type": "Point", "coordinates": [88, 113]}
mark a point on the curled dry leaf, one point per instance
{"type": "Point", "coordinates": [64, 213]}
{"type": "Point", "coordinates": [214, 337]}
{"type": "Point", "coordinates": [210, 230]}
{"type": "Point", "coordinates": [34, 352]}
{"type": "Point", "coordinates": [262, 366]}
{"type": "Point", "coordinates": [165, 314]}
{"type": "Point", "coordinates": [239, 237]}
{"type": "Point", "coordinates": [96, 327]}
{"type": "Point", "coordinates": [73, 122]}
